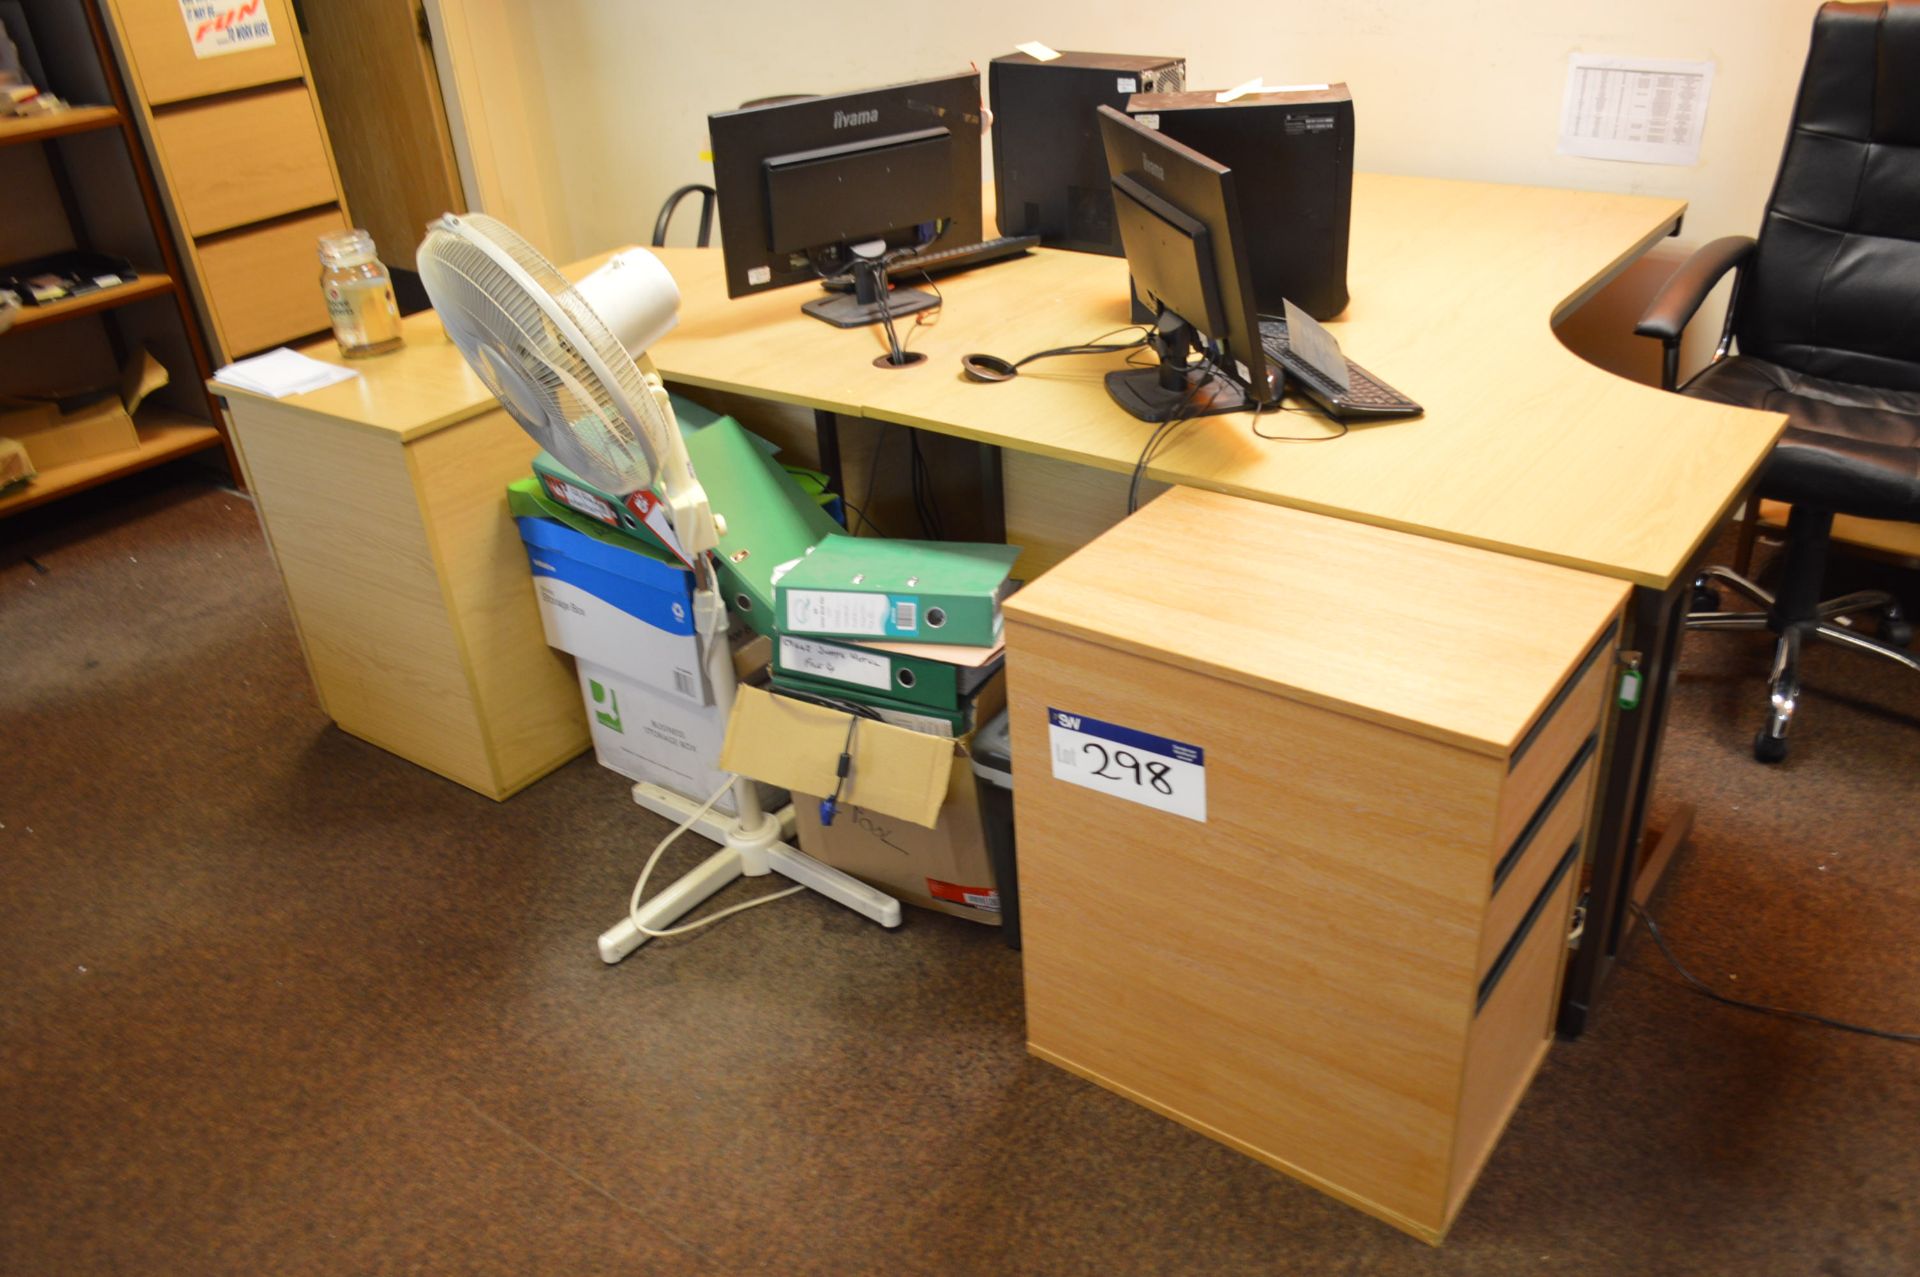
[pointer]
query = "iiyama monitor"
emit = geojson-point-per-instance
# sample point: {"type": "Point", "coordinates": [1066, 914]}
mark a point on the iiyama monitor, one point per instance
{"type": "Point", "coordinates": [822, 186]}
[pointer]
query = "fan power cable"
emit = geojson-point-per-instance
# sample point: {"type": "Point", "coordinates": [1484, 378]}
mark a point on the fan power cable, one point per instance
{"type": "Point", "coordinates": [646, 872]}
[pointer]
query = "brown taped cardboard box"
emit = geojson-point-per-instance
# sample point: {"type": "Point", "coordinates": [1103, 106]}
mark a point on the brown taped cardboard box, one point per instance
{"type": "Point", "coordinates": [96, 427]}
{"type": "Point", "coordinates": [53, 438]}
{"type": "Point", "coordinates": [908, 820]}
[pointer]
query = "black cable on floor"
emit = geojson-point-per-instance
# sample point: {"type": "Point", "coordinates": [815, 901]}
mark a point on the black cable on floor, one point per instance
{"type": "Point", "coordinates": [1697, 985]}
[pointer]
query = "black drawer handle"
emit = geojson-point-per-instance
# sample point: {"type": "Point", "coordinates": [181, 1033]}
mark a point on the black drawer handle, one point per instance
{"type": "Point", "coordinates": [1519, 937]}
{"type": "Point", "coordinates": [1600, 647]}
{"type": "Point", "coordinates": [1544, 810]}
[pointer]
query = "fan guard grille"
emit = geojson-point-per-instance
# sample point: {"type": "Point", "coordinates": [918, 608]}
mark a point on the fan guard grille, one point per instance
{"type": "Point", "coordinates": [564, 377]}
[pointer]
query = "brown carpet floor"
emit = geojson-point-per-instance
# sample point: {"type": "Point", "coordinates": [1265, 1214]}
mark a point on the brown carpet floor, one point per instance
{"type": "Point", "coordinates": [273, 1001]}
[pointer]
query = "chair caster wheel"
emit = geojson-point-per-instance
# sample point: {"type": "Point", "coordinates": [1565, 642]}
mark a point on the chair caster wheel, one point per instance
{"type": "Point", "coordinates": [1897, 631]}
{"type": "Point", "coordinates": [1769, 749]}
{"type": "Point", "coordinates": [1705, 599]}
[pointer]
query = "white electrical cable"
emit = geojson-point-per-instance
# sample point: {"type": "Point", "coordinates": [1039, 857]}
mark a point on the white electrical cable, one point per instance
{"type": "Point", "coordinates": [640, 887]}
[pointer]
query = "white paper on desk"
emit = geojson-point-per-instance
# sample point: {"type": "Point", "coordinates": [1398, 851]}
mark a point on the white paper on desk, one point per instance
{"type": "Point", "coordinates": [280, 373]}
{"type": "Point", "coordinates": [1644, 110]}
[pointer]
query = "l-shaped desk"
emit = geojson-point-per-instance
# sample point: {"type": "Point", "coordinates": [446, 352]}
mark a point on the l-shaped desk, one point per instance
{"type": "Point", "coordinates": [1525, 448]}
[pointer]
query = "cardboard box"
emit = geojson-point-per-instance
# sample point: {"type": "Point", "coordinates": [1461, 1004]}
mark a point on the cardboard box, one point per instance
{"type": "Point", "coordinates": [80, 427]}
{"type": "Point", "coordinates": [909, 817]}
{"type": "Point", "coordinates": [16, 467]}
{"type": "Point", "coordinates": [617, 605]}
{"type": "Point", "coordinates": [626, 616]}
{"type": "Point", "coordinates": [660, 740]}
{"type": "Point", "coordinates": [53, 438]}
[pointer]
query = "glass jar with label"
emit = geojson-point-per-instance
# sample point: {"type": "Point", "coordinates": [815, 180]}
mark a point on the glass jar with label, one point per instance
{"type": "Point", "coordinates": [359, 295]}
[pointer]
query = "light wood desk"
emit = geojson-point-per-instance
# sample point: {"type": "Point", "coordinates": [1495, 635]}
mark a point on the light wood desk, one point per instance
{"type": "Point", "coordinates": [1524, 448]}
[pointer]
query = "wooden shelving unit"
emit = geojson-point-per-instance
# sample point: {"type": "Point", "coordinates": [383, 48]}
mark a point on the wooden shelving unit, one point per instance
{"type": "Point", "coordinates": [108, 200]}
{"type": "Point", "coordinates": [164, 435]}
{"type": "Point", "coordinates": [93, 303]}
{"type": "Point", "coordinates": [81, 119]}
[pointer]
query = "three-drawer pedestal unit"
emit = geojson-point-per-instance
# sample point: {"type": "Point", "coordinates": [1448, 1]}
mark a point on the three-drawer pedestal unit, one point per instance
{"type": "Point", "coordinates": [1301, 807]}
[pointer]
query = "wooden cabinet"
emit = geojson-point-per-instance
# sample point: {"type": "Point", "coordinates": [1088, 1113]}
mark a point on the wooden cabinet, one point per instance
{"type": "Point", "coordinates": [245, 159]}
{"type": "Point", "coordinates": [263, 281]}
{"type": "Point", "coordinates": [159, 40]}
{"type": "Point", "coordinates": [245, 163]}
{"type": "Point", "coordinates": [79, 179]}
{"type": "Point", "coordinates": [1347, 964]}
{"type": "Point", "coordinates": [384, 503]}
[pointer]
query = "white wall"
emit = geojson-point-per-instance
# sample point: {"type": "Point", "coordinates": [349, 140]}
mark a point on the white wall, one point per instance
{"type": "Point", "coordinates": [1462, 88]}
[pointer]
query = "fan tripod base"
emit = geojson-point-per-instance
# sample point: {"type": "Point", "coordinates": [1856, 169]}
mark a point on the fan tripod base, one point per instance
{"type": "Point", "coordinates": [752, 854]}
{"type": "Point", "coordinates": [714, 826]}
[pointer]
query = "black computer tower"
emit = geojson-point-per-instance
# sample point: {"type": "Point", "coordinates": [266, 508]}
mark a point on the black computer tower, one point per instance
{"type": "Point", "coordinates": [1292, 160]}
{"type": "Point", "coordinates": [1049, 170]}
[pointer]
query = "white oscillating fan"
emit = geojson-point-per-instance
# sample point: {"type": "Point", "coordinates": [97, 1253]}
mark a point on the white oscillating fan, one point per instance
{"type": "Point", "coordinates": [568, 362]}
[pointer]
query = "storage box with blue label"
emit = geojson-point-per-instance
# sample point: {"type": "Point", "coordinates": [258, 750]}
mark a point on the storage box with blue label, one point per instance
{"type": "Point", "coordinates": [613, 602]}
{"type": "Point", "coordinates": [626, 615]}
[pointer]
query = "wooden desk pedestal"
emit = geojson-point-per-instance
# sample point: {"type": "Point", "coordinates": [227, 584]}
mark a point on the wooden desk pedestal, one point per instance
{"type": "Point", "coordinates": [1349, 969]}
{"type": "Point", "coordinates": [384, 502]}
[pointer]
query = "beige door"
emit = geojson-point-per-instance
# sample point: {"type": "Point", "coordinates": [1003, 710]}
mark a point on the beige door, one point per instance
{"type": "Point", "coordinates": [373, 69]}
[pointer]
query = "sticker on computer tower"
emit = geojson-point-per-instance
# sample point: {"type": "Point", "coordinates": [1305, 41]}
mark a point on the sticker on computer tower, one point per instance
{"type": "Point", "coordinates": [1124, 762]}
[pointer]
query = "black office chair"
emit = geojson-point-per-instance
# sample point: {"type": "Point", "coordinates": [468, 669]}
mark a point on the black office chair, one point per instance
{"type": "Point", "coordinates": [705, 235]}
{"type": "Point", "coordinates": [661, 222]}
{"type": "Point", "coordinates": [1825, 313]}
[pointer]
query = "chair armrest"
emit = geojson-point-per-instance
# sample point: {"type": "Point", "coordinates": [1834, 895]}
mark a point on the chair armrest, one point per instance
{"type": "Point", "coordinates": [1667, 314]}
{"type": "Point", "coordinates": [673, 202]}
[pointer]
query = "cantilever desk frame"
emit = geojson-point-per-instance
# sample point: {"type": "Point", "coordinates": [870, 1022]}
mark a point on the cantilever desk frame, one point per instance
{"type": "Point", "coordinates": [1525, 448]}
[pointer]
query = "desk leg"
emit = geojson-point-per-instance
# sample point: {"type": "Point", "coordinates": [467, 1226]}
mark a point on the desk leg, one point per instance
{"type": "Point", "coordinates": [826, 438]}
{"type": "Point", "coordinates": [1655, 622]}
{"type": "Point", "coordinates": [993, 496]}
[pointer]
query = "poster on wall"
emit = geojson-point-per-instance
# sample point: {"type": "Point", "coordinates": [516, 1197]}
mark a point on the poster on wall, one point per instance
{"type": "Point", "coordinates": [1643, 110]}
{"type": "Point", "coordinates": [219, 27]}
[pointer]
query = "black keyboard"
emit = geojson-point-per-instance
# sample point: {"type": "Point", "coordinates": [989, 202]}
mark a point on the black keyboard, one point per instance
{"type": "Point", "coordinates": [1365, 398]}
{"type": "Point", "coordinates": [949, 259]}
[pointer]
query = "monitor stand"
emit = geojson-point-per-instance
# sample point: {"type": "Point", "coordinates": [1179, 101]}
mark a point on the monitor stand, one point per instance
{"type": "Point", "coordinates": [1175, 390]}
{"type": "Point", "coordinates": [861, 307]}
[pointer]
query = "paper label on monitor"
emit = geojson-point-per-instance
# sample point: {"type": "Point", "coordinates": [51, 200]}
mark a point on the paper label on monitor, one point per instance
{"type": "Point", "coordinates": [1124, 762]}
{"type": "Point", "coordinates": [1126, 84]}
{"type": "Point", "coordinates": [219, 27]}
{"type": "Point", "coordinates": [1037, 51]}
{"type": "Point", "coordinates": [841, 664]}
{"type": "Point", "coordinates": [757, 275]}
{"type": "Point", "coordinates": [1150, 121]}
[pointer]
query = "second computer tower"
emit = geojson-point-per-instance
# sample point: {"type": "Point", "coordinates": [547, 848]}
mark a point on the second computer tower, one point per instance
{"type": "Point", "coordinates": [1292, 159]}
{"type": "Point", "coordinates": [1049, 169]}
